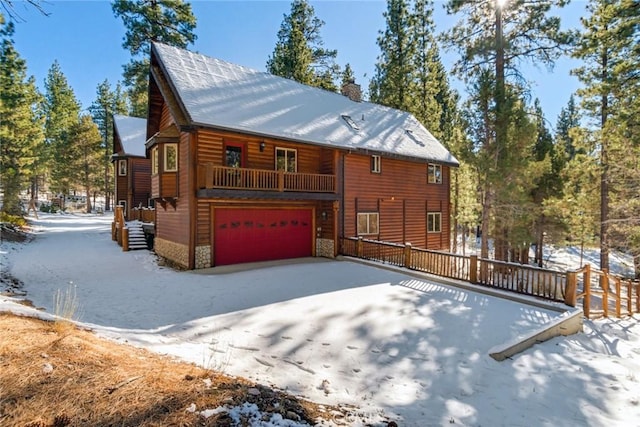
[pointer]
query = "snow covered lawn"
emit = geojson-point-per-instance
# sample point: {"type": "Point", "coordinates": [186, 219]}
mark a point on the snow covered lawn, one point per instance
{"type": "Point", "coordinates": [339, 332]}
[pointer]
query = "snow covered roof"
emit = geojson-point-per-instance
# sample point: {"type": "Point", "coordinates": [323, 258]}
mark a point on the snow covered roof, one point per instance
{"type": "Point", "coordinates": [133, 134]}
{"type": "Point", "coordinates": [215, 93]}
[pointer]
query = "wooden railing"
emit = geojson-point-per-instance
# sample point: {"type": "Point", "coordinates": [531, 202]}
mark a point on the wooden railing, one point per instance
{"type": "Point", "coordinates": [212, 176]}
{"type": "Point", "coordinates": [143, 214]}
{"type": "Point", "coordinates": [603, 293]}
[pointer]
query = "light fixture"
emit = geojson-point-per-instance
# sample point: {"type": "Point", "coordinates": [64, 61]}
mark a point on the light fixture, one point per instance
{"type": "Point", "coordinates": [262, 145]}
{"type": "Point", "coordinates": [324, 215]}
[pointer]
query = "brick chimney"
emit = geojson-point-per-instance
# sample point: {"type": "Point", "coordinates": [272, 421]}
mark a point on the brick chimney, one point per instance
{"type": "Point", "coordinates": [352, 91]}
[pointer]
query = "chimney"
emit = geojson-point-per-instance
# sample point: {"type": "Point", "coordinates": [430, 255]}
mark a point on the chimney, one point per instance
{"type": "Point", "coordinates": [352, 91]}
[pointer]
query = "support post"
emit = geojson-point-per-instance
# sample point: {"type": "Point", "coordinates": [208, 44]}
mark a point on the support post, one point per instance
{"type": "Point", "coordinates": [407, 255]}
{"type": "Point", "coordinates": [570, 289]}
{"type": "Point", "coordinates": [359, 247]}
{"type": "Point", "coordinates": [125, 239]}
{"type": "Point", "coordinates": [473, 269]}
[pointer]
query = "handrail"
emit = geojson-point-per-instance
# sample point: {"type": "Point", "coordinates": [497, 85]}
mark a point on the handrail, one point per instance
{"type": "Point", "coordinates": [213, 176]}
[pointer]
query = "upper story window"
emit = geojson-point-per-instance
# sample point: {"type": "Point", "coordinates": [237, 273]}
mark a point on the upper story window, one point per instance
{"type": "Point", "coordinates": [434, 222]}
{"type": "Point", "coordinates": [286, 160]}
{"type": "Point", "coordinates": [170, 158]}
{"type": "Point", "coordinates": [122, 167]}
{"type": "Point", "coordinates": [434, 174]}
{"type": "Point", "coordinates": [154, 161]}
{"type": "Point", "coordinates": [233, 156]}
{"type": "Point", "coordinates": [375, 164]}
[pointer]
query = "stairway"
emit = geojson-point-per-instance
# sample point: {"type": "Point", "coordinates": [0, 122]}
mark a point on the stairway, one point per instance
{"type": "Point", "coordinates": [136, 235]}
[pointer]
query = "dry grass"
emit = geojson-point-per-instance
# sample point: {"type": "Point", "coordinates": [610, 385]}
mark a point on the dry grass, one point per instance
{"type": "Point", "coordinates": [53, 376]}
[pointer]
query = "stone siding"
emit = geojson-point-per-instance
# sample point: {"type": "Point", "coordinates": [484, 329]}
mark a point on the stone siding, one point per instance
{"type": "Point", "coordinates": [172, 251]}
{"type": "Point", "coordinates": [203, 256]}
{"type": "Point", "coordinates": [324, 248]}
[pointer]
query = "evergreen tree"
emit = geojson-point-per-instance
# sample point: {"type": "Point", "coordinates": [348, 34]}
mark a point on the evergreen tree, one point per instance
{"type": "Point", "coordinates": [166, 21]}
{"type": "Point", "coordinates": [568, 119]}
{"type": "Point", "coordinates": [62, 111]}
{"type": "Point", "coordinates": [347, 75]}
{"type": "Point", "coordinates": [393, 80]}
{"type": "Point", "coordinates": [87, 155]}
{"type": "Point", "coordinates": [609, 48]}
{"type": "Point", "coordinates": [499, 37]}
{"type": "Point", "coordinates": [107, 103]}
{"type": "Point", "coordinates": [20, 124]}
{"type": "Point", "coordinates": [299, 53]}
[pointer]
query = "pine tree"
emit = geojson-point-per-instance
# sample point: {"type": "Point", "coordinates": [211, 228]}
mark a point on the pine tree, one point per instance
{"type": "Point", "coordinates": [62, 110]}
{"type": "Point", "coordinates": [609, 48]}
{"type": "Point", "coordinates": [166, 21]}
{"type": "Point", "coordinates": [299, 53]}
{"type": "Point", "coordinates": [107, 103]}
{"type": "Point", "coordinates": [393, 80]}
{"type": "Point", "coordinates": [495, 38]}
{"type": "Point", "coordinates": [568, 119]}
{"type": "Point", "coordinates": [87, 156]}
{"type": "Point", "coordinates": [347, 75]}
{"type": "Point", "coordinates": [20, 124]}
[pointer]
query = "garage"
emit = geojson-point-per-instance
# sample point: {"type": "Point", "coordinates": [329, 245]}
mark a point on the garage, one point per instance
{"type": "Point", "coordinates": [250, 235]}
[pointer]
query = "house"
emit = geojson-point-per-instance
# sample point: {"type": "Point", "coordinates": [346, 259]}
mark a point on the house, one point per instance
{"type": "Point", "coordinates": [132, 169]}
{"type": "Point", "coordinates": [247, 166]}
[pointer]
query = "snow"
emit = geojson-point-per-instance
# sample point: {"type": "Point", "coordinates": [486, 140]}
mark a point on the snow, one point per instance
{"type": "Point", "coordinates": [229, 96]}
{"type": "Point", "coordinates": [133, 134]}
{"type": "Point", "coordinates": [387, 342]}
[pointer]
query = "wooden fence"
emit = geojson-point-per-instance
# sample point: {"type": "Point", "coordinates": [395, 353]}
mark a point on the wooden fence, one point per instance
{"type": "Point", "coordinates": [612, 294]}
{"type": "Point", "coordinates": [143, 214]}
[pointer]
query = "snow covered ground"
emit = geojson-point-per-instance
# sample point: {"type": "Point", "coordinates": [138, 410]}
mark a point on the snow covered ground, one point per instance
{"type": "Point", "coordinates": [387, 342]}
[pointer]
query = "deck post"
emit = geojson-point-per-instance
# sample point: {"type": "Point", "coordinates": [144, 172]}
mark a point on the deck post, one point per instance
{"type": "Point", "coordinates": [113, 231]}
{"type": "Point", "coordinates": [570, 289]}
{"type": "Point", "coordinates": [407, 255]}
{"type": "Point", "coordinates": [359, 247]}
{"type": "Point", "coordinates": [125, 239]}
{"type": "Point", "coordinates": [473, 268]}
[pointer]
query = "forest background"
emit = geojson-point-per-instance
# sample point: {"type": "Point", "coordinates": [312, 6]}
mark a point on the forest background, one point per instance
{"type": "Point", "coordinates": [525, 179]}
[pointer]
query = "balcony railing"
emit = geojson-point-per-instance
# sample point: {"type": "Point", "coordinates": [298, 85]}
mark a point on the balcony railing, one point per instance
{"type": "Point", "coordinates": [212, 176]}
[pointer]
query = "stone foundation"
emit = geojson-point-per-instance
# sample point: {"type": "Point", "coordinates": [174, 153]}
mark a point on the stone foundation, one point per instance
{"type": "Point", "coordinates": [174, 252]}
{"type": "Point", "coordinates": [324, 248]}
{"type": "Point", "coordinates": [203, 256]}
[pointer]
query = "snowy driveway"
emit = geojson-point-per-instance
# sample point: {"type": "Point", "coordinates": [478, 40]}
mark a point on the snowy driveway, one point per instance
{"type": "Point", "coordinates": [331, 331]}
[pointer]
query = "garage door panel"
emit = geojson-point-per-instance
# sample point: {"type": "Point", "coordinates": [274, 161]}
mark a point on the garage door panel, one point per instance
{"type": "Point", "coordinates": [249, 235]}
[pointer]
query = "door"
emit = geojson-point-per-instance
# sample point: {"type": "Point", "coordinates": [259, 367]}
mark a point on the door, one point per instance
{"type": "Point", "coordinates": [251, 235]}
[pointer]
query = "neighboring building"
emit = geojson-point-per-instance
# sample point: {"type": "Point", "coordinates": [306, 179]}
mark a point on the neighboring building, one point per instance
{"type": "Point", "coordinates": [132, 169]}
{"type": "Point", "coordinates": [247, 166]}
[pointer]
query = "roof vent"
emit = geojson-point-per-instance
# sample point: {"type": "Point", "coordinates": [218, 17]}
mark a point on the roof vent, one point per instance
{"type": "Point", "coordinates": [352, 124]}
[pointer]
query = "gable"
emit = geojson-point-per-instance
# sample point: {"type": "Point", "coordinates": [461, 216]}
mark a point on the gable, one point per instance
{"type": "Point", "coordinates": [129, 135]}
{"type": "Point", "coordinates": [214, 93]}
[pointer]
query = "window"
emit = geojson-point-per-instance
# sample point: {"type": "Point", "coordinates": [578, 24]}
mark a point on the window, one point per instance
{"type": "Point", "coordinates": [154, 161]}
{"type": "Point", "coordinates": [170, 158]}
{"type": "Point", "coordinates": [434, 220]}
{"type": "Point", "coordinates": [434, 174]}
{"type": "Point", "coordinates": [123, 203]}
{"type": "Point", "coordinates": [368, 223]}
{"type": "Point", "coordinates": [233, 156]}
{"type": "Point", "coordinates": [352, 124]}
{"type": "Point", "coordinates": [286, 160]}
{"type": "Point", "coordinates": [375, 164]}
{"type": "Point", "coordinates": [122, 167]}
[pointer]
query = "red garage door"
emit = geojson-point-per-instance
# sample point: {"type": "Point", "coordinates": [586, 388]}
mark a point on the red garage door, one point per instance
{"type": "Point", "coordinates": [249, 235]}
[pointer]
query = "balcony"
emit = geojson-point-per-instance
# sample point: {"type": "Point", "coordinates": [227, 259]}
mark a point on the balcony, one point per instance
{"type": "Point", "coordinates": [211, 176]}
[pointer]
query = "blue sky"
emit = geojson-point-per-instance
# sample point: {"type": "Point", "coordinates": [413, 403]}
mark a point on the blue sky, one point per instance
{"type": "Point", "coordinates": [86, 39]}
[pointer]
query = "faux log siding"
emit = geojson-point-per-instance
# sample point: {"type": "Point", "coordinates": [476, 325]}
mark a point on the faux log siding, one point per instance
{"type": "Point", "coordinates": [173, 223]}
{"type": "Point", "coordinates": [122, 188]}
{"type": "Point", "coordinates": [211, 149]}
{"type": "Point", "coordinates": [203, 223]}
{"type": "Point", "coordinates": [406, 183]}
{"type": "Point", "coordinates": [166, 119]}
{"type": "Point", "coordinates": [141, 188]}
{"type": "Point", "coordinates": [325, 225]}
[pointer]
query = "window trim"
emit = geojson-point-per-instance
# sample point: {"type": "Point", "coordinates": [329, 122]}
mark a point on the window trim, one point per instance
{"type": "Point", "coordinates": [434, 215]}
{"type": "Point", "coordinates": [434, 177]}
{"type": "Point", "coordinates": [286, 150]}
{"type": "Point", "coordinates": [123, 203]}
{"type": "Point", "coordinates": [376, 164]}
{"type": "Point", "coordinates": [154, 161]}
{"type": "Point", "coordinates": [368, 231]}
{"type": "Point", "coordinates": [122, 167]}
{"type": "Point", "coordinates": [165, 157]}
